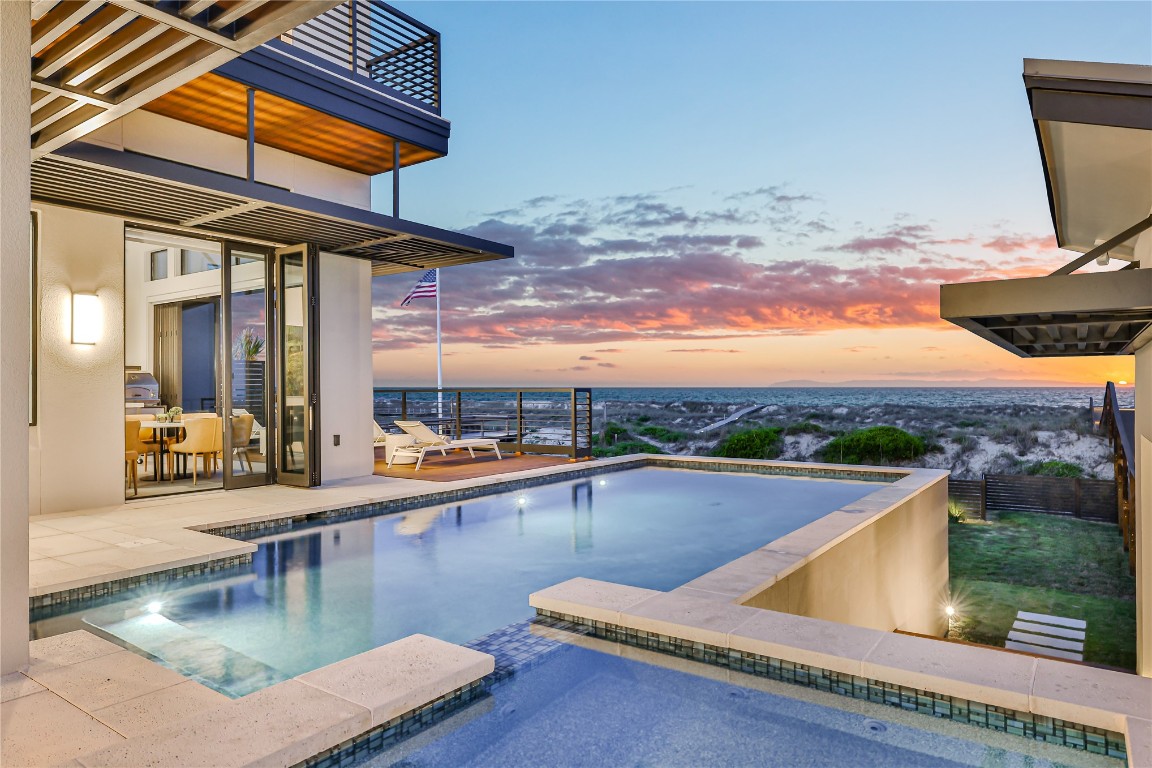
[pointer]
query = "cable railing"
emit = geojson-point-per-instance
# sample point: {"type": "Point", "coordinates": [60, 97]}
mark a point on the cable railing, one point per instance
{"type": "Point", "coordinates": [371, 39]}
{"type": "Point", "coordinates": [1119, 425]}
{"type": "Point", "coordinates": [546, 420]}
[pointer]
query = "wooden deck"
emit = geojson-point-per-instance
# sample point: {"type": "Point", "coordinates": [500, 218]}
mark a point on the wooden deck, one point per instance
{"type": "Point", "coordinates": [460, 466]}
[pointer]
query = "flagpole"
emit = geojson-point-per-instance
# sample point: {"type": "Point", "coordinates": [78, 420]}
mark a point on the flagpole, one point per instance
{"type": "Point", "coordinates": [439, 354]}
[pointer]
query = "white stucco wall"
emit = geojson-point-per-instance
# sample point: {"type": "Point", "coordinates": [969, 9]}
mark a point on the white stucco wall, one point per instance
{"type": "Point", "coordinates": [345, 351]}
{"type": "Point", "coordinates": [892, 574]}
{"type": "Point", "coordinates": [345, 367]}
{"type": "Point", "coordinates": [160, 136]}
{"type": "Point", "coordinates": [1144, 510]}
{"type": "Point", "coordinates": [78, 444]}
{"type": "Point", "coordinates": [15, 20]}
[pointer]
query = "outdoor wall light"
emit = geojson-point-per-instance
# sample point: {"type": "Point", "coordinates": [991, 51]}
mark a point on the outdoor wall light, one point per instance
{"type": "Point", "coordinates": [87, 319]}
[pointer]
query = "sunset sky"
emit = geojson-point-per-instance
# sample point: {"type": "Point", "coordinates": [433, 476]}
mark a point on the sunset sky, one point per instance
{"type": "Point", "coordinates": [736, 194]}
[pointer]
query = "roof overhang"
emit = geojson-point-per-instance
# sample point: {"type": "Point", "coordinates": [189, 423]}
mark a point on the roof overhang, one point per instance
{"type": "Point", "coordinates": [151, 190]}
{"type": "Point", "coordinates": [94, 61]}
{"type": "Point", "coordinates": [1104, 313]}
{"type": "Point", "coordinates": [1094, 126]}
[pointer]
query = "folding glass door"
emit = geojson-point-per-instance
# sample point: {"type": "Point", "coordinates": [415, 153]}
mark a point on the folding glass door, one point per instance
{"type": "Point", "coordinates": [297, 376]}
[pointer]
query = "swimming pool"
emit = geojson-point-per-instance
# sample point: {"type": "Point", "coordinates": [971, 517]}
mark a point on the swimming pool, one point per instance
{"type": "Point", "coordinates": [325, 593]}
{"type": "Point", "coordinates": [597, 703]}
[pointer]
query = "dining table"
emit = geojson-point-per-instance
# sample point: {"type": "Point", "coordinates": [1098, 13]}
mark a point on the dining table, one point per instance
{"type": "Point", "coordinates": [159, 433]}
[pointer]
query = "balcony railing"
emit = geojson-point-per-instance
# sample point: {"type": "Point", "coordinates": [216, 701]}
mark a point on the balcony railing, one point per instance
{"type": "Point", "coordinates": [371, 39]}
{"type": "Point", "coordinates": [545, 420]}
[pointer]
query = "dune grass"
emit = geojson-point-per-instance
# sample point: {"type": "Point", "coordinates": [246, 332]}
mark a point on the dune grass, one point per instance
{"type": "Point", "coordinates": [1021, 561]}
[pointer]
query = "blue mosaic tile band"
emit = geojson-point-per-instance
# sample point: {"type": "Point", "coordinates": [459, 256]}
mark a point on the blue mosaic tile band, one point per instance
{"type": "Point", "coordinates": [1031, 726]}
{"type": "Point", "coordinates": [96, 594]}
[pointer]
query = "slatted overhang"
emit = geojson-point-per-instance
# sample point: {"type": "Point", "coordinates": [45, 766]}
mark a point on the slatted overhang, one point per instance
{"type": "Point", "coordinates": [154, 191]}
{"type": "Point", "coordinates": [96, 60]}
{"type": "Point", "coordinates": [1094, 126]}
{"type": "Point", "coordinates": [1080, 315]}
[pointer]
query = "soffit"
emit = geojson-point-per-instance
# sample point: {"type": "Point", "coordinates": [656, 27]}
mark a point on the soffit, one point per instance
{"type": "Point", "coordinates": [221, 104]}
{"type": "Point", "coordinates": [158, 192]}
{"type": "Point", "coordinates": [1094, 125]}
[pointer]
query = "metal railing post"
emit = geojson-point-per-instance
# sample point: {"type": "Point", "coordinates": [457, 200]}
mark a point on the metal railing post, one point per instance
{"type": "Point", "coordinates": [459, 414]}
{"type": "Point", "coordinates": [572, 434]}
{"type": "Point", "coordinates": [354, 36]}
{"type": "Point", "coordinates": [519, 421]}
{"type": "Point", "coordinates": [404, 405]}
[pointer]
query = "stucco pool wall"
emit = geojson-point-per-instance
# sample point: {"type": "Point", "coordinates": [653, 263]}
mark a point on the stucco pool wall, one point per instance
{"type": "Point", "coordinates": [887, 572]}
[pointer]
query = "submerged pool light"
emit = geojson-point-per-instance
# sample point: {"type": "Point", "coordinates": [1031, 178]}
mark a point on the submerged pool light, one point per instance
{"type": "Point", "coordinates": [603, 482]}
{"type": "Point", "coordinates": [521, 501]}
{"type": "Point", "coordinates": [154, 606]}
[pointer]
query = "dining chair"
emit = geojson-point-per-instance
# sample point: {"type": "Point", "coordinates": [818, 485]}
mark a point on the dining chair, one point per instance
{"type": "Point", "coordinates": [200, 439]}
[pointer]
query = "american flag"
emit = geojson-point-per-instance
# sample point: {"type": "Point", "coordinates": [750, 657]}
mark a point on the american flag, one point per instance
{"type": "Point", "coordinates": [425, 288]}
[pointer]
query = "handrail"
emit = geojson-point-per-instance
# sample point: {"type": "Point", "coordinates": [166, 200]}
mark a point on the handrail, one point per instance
{"type": "Point", "coordinates": [1118, 423]}
{"type": "Point", "coordinates": [548, 420]}
{"type": "Point", "coordinates": [370, 39]}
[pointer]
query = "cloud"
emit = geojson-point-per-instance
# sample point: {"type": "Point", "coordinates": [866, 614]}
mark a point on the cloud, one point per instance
{"type": "Point", "coordinates": [639, 267]}
{"type": "Point", "coordinates": [705, 350]}
{"type": "Point", "coordinates": [588, 357]}
{"type": "Point", "coordinates": [858, 348]}
{"type": "Point", "coordinates": [607, 365]}
{"type": "Point", "coordinates": [1013, 243]}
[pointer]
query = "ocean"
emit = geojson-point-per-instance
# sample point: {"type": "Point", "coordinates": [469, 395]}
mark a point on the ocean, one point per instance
{"type": "Point", "coordinates": [854, 397]}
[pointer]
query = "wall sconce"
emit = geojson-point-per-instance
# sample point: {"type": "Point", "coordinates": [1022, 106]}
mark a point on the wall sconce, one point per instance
{"type": "Point", "coordinates": [87, 319]}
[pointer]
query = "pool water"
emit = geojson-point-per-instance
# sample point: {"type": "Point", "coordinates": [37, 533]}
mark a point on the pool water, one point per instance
{"type": "Point", "coordinates": [581, 706]}
{"type": "Point", "coordinates": [321, 594]}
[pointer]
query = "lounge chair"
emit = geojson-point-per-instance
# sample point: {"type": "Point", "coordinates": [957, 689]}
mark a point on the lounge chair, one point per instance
{"type": "Point", "coordinates": [427, 440]}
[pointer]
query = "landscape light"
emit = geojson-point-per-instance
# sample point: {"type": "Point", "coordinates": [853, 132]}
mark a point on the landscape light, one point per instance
{"type": "Point", "coordinates": [950, 611]}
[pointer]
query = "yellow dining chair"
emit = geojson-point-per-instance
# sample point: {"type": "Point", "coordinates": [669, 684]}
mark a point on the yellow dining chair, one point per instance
{"type": "Point", "coordinates": [131, 434]}
{"type": "Point", "coordinates": [200, 439]}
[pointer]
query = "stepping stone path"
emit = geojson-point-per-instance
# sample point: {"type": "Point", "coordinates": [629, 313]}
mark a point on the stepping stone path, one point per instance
{"type": "Point", "coordinates": [1053, 636]}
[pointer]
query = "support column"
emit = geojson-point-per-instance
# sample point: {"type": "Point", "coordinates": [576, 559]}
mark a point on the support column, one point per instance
{"type": "Point", "coordinates": [15, 265]}
{"type": "Point", "coordinates": [1143, 516]}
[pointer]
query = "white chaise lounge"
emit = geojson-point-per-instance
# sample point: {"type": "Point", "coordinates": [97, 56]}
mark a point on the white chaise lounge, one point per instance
{"type": "Point", "coordinates": [427, 440]}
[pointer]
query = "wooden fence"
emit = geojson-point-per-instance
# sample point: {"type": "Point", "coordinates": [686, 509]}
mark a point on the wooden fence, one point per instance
{"type": "Point", "coordinates": [1071, 496]}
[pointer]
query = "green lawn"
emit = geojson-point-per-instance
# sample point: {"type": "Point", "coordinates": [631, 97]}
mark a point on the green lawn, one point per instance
{"type": "Point", "coordinates": [1060, 566]}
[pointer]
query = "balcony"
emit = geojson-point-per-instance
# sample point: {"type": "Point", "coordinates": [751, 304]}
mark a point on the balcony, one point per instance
{"type": "Point", "coordinates": [356, 87]}
{"type": "Point", "coordinates": [372, 43]}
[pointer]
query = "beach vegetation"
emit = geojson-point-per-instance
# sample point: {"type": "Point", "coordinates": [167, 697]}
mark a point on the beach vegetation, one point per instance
{"type": "Point", "coordinates": [751, 444]}
{"type": "Point", "coordinates": [1054, 469]}
{"type": "Point", "coordinates": [874, 445]}
{"type": "Point", "coordinates": [613, 433]}
{"type": "Point", "coordinates": [662, 434]}
{"type": "Point", "coordinates": [624, 448]}
{"type": "Point", "coordinates": [804, 428]}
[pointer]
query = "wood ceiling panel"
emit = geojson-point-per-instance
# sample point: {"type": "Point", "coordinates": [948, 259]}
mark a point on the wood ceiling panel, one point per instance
{"type": "Point", "coordinates": [221, 104]}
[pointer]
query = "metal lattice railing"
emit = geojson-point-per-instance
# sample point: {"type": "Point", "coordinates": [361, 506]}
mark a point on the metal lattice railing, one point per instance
{"type": "Point", "coordinates": [373, 40]}
{"type": "Point", "coordinates": [547, 420]}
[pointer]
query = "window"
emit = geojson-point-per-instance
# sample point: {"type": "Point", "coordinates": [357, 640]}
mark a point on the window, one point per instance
{"type": "Point", "coordinates": [192, 262]}
{"type": "Point", "coordinates": [159, 264]}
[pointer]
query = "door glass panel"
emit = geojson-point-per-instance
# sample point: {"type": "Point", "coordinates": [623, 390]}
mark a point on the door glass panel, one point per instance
{"type": "Point", "coordinates": [294, 459]}
{"type": "Point", "coordinates": [248, 354]}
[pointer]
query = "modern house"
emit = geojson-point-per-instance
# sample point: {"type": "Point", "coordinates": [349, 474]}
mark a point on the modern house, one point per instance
{"type": "Point", "coordinates": [1094, 129]}
{"type": "Point", "coordinates": [198, 175]}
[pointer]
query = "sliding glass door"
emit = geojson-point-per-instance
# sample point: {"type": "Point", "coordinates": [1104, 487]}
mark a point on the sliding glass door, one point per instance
{"type": "Point", "coordinates": [247, 366]}
{"type": "Point", "coordinates": [297, 379]}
